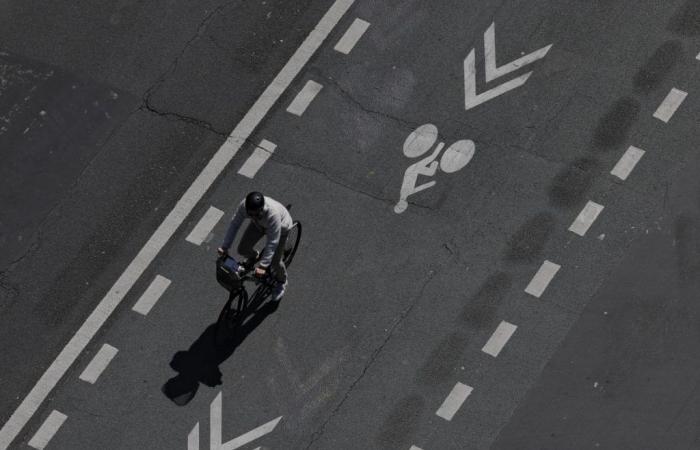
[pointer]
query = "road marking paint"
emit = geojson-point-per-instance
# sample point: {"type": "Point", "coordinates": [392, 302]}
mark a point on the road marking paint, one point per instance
{"type": "Point", "coordinates": [542, 278]}
{"type": "Point", "coordinates": [260, 155]}
{"type": "Point", "coordinates": [201, 231]}
{"type": "Point", "coordinates": [98, 364]}
{"type": "Point", "coordinates": [625, 165]}
{"type": "Point", "coordinates": [670, 104]}
{"type": "Point", "coordinates": [304, 98]}
{"type": "Point", "coordinates": [413, 447]}
{"type": "Point", "coordinates": [454, 401]}
{"type": "Point", "coordinates": [499, 338]}
{"type": "Point", "coordinates": [586, 217]}
{"type": "Point", "coordinates": [698, 57]}
{"type": "Point", "coordinates": [47, 430]}
{"type": "Point", "coordinates": [193, 438]}
{"type": "Point", "coordinates": [350, 38]}
{"type": "Point", "coordinates": [151, 295]}
{"type": "Point", "coordinates": [172, 222]}
{"type": "Point", "coordinates": [215, 424]}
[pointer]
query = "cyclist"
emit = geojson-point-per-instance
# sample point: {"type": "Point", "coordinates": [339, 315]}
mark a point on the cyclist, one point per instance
{"type": "Point", "coordinates": [270, 218]}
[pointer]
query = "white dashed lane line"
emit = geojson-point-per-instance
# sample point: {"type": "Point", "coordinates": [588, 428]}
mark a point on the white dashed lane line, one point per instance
{"type": "Point", "coordinates": [350, 38]}
{"type": "Point", "coordinates": [151, 295]}
{"type": "Point", "coordinates": [201, 231]}
{"type": "Point", "coordinates": [413, 447]}
{"type": "Point", "coordinates": [626, 164]}
{"type": "Point", "coordinates": [670, 104]}
{"type": "Point", "coordinates": [47, 430]}
{"type": "Point", "coordinates": [255, 161]}
{"type": "Point", "coordinates": [542, 278]}
{"type": "Point", "coordinates": [586, 217]}
{"type": "Point", "coordinates": [454, 401]}
{"type": "Point", "coordinates": [98, 364]}
{"type": "Point", "coordinates": [499, 338]}
{"type": "Point", "coordinates": [304, 98]}
{"type": "Point", "coordinates": [193, 438]}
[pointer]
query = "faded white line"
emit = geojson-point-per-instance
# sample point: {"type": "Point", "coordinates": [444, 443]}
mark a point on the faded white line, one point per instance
{"type": "Point", "coordinates": [98, 364]}
{"type": "Point", "coordinates": [499, 338]}
{"type": "Point", "coordinates": [151, 295]}
{"type": "Point", "coordinates": [260, 155]}
{"type": "Point", "coordinates": [413, 447]}
{"type": "Point", "coordinates": [304, 98]}
{"type": "Point", "coordinates": [208, 221]}
{"type": "Point", "coordinates": [167, 228]}
{"type": "Point", "coordinates": [626, 164]}
{"type": "Point", "coordinates": [670, 104]}
{"type": "Point", "coordinates": [350, 38]}
{"type": "Point", "coordinates": [47, 430]}
{"type": "Point", "coordinates": [542, 278]}
{"type": "Point", "coordinates": [454, 401]}
{"type": "Point", "coordinates": [193, 438]}
{"type": "Point", "coordinates": [586, 217]}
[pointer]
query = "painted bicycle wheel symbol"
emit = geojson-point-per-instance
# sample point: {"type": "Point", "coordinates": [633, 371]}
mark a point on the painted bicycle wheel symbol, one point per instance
{"type": "Point", "coordinates": [418, 143]}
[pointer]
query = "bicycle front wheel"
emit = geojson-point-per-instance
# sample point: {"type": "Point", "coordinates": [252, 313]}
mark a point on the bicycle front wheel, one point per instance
{"type": "Point", "coordinates": [290, 246]}
{"type": "Point", "coordinates": [230, 317]}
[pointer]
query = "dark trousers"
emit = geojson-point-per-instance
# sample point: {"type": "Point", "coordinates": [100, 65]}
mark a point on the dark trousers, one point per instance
{"type": "Point", "coordinates": [246, 248]}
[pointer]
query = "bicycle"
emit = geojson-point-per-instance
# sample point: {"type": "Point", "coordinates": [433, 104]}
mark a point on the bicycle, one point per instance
{"type": "Point", "coordinates": [233, 275]}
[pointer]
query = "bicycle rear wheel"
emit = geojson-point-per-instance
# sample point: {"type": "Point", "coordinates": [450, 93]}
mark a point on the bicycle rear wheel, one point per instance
{"type": "Point", "coordinates": [290, 246]}
{"type": "Point", "coordinates": [230, 317]}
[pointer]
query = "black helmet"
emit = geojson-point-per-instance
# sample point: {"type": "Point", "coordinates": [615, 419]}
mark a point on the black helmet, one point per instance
{"type": "Point", "coordinates": [254, 202]}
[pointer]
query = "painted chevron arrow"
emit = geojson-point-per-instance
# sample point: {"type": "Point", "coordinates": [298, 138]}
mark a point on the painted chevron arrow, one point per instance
{"type": "Point", "coordinates": [471, 99]}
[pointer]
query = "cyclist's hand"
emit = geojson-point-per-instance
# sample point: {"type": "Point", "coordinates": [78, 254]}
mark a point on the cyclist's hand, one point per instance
{"type": "Point", "coordinates": [260, 272]}
{"type": "Point", "coordinates": [221, 251]}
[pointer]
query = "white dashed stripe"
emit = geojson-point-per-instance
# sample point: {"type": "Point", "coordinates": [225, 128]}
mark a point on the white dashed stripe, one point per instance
{"type": "Point", "coordinates": [542, 278]}
{"type": "Point", "coordinates": [454, 401]}
{"type": "Point", "coordinates": [413, 447]}
{"type": "Point", "coordinates": [626, 164]}
{"type": "Point", "coordinates": [193, 438]}
{"type": "Point", "coordinates": [47, 430]}
{"type": "Point", "coordinates": [350, 38]}
{"type": "Point", "coordinates": [304, 98]}
{"type": "Point", "coordinates": [98, 364]}
{"type": "Point", "coordinates": [586, 217]}
{"type": "Point", "coordinates": [499, 338]}
{"type": "Point", "coordinates": [670, 104]}
{"type": "Point", "coordinates": [260, 155]}
{"type": "Point", "coordinates": [151, 295]}
{"type": "Point", "coordinates": [201, 231]}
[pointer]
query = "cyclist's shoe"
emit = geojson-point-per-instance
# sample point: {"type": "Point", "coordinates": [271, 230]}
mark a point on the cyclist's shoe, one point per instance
{"type": "Point", "coordinates": [278, 291]}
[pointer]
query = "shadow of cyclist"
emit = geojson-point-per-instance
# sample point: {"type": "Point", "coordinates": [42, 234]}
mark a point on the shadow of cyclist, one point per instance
{"type": "Point", "coordinates": [200, 363]}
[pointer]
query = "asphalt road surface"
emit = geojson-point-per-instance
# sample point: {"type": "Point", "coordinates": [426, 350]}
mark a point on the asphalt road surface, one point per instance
{"type": "Point", "coordinates": [501, 243]}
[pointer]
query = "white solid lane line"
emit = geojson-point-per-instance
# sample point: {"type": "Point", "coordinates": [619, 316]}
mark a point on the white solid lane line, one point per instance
{"type": "Point", "coordinates": [260, 155]}
{"type": "Point", "coordinates": [542, 278]}
{"type": "Point", "coordinates": [499, 338]}
{"type": "Point", "coordinates": [350, 38]}
{"type": "Point", "coordinates": [47, 430]}
{"type": "Point", "coordinates": [586, 217]}
{"type": "Point", "coordinates": [304, 98]}
{"type": "Point", "coordinates": [149, 298]}
{"type": "Point", "coordinates": [626, 164]}
{"type": "Point", "coordinates": [98, 364]}
{"type": "Point", "coordinates": [201, 231]}
{"type": "Point", "coordinates": [172, 222]}
{"type": "Point", "coordinates": [454, 401]}
{"type": "Point", "coordinates": [670, 104]}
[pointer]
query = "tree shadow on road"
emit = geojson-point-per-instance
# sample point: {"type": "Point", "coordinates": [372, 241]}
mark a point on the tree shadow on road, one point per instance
{"type": "Point", "coordinates": [200, 363]}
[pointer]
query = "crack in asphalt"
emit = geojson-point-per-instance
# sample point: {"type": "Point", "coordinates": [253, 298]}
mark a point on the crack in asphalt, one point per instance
{"type": "Point", "coordinates": [319, 433]}
{"type": "Point", "coordinates": [146, 106]}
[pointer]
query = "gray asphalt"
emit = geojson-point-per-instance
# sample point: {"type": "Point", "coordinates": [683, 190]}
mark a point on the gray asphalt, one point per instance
{"type": "Point", "coordinates": [385, 312]}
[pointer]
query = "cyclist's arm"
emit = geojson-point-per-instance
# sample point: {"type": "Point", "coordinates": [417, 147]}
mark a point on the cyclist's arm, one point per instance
{"type": "Point", "coordinates": [233, 227]}
{"type": "Point", "coordinates": [274, 231]}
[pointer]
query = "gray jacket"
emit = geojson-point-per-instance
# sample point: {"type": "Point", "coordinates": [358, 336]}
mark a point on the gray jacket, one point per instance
{"type": "Point", "coordinates": [275, 221]}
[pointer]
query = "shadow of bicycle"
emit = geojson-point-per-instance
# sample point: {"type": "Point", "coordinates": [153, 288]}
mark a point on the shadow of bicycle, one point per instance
{"type": "Point", "coordinates": [200, 363]}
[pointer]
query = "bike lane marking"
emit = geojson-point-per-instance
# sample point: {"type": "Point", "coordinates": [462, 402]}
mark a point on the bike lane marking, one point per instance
{"type": "Point", "coordinates": [151, 295]}
{"type": "Point", "coordinates": [586, 217]}
{"type": "Point", "coordinates": [626, 164]}
{"type": "Point", "coordinates": [542, 278]}
{"type": "Point", "coordinates": [98, 364]}
{"type": "Point", "coordinates": [304, 98]}
{"type": "Point", "coordinates": [72, 350]}
{"type": "Point", "coordinates": [454, 401]}
{"type": "Point", "coordinates": [352, 36]}
{"type": "Point", "coordinates": [670, 104]}
{"type": "Point", "coordinates": [201, 231]}
{"type": "Point", "coordinates": [255, 161]}
{"type": "Point", "coordinates": [499, 338]}
{"type": "Point", "coordinates": [47, 430]}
